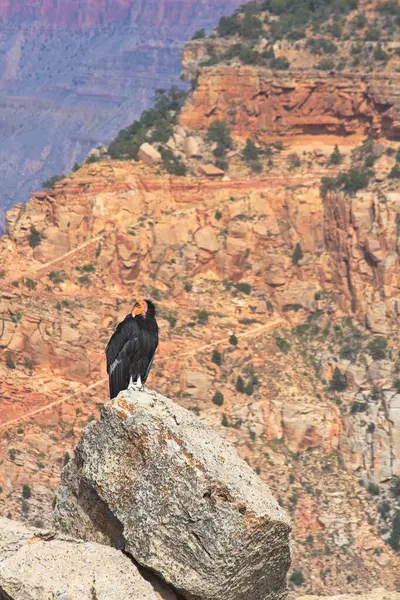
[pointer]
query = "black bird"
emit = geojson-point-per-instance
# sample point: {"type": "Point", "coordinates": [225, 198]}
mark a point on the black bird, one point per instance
{"type": "Point", "coordinates": [130, 351]}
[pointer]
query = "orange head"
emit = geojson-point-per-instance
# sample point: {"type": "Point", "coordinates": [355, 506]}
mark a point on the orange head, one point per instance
{"type": "Point", "coordinates": [140, 308]}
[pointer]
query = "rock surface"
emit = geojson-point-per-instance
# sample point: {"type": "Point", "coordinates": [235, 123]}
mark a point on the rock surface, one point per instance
{"type": "Point", "coordinates": [153, 479]}
{"type": "Point", "coordinates": [38, 565]}
{"type": "Point", "coordinates": [294, 104]}
{"type": "Point", "coordinates": [148, 154]}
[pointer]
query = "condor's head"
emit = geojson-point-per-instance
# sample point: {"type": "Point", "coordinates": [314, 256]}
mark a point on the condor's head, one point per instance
{"type": "Point", "coordinates": [144, 309]}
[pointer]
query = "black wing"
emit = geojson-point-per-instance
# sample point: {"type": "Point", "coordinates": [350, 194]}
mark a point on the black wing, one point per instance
{"type": "Point", "coordinates": [121, 351]}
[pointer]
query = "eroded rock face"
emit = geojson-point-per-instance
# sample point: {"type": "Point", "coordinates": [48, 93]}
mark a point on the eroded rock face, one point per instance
{"type": "Point", "coordinates": [36, 565]}
{"type": "Point", "coordinates": [152, 478]}
{"type": "Point", "coordinates": [255, 102]}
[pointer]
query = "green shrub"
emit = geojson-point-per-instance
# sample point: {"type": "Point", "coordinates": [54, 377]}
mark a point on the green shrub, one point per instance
{"type": "Point", "coordinates": [243, 287]}
{"type": "Point", "coordinates": [282, 344]}
{"type": "Point", "coordinates": [336, 158]}
{"type": "Point", "coordinates": [172, 164]}
{"type": "Point", "coordinates": [218, 398]}
{"type": "Point", "coordinates": [321, 46]}
{"type": "Point", "coordinates": [30, 284]}
{"type": "Point", "coordinates": [26, 491]}
{"type": "Point", "coordinates": [373, 489]}
{"type": "Point", "coordinates": [391, 8]}
{"type": "Point", "coordinates": [394, 539]}
{"type": "Point", "coordinates": [84, 280]}
{"type": "Point", "coordinates": [325, 64]}
{"type": "Point", "coordinates": [219, 133]}
{"type": "Point", "coordinates": [224, 421]}
{"type": "Point", "coordinates": [297, 255]}
{"type": "Point", "coordinates": [396, 385]}
{"type": "Point", "coordinates": [200, 34]}
{"type": "Point", "coordinates": [360, 21]}
{"type": "Point", "coordinates": [56, 277]}
{"type": "Point", "coordinates": [202, 317]}
{"type": "Point", "coordinates": [240, 385]}
{"type": "Point", "coordinates": [218, 215]}
{"type": "Point", "coordinates": [377, 348]}
{"type": "Point", "coordinates": [373, 34]}
{"type": "Point", "coordinates": [216, 357]}
{"type": "Point", "coordinates": [294, 161]}
{"type": "Point", "coordinates": [50, 183]}
{"type": "Point", "coordinates": [12, 454]}
{"type": "Point", "coordinates": [92, 159]}
{"type": "Point", "coordinates": [228, 26]}
{"type": "Point", "coordinates": [395, 486]}
{"type": "Point", "coordinates": [297, 577]}
{"type": "Point", "coordinates": [250, 152]}
{"type": "Point", "coordinates": [234, 341]}
{"type": "Point", "coordinates": [35, 238]}
{"type": "Point", "coordinates": [10, 360]}
{"type": "Point", "coordinates": [338, 383]}
{"type": "Point", "coordinates": [280, 63]}
{"type": "Point", "coordinates": [358, 407]}
{"type": "Point", "coordinates": [380, 54]}
{"type": "Point", "coordinates": [159, 119]}
{"type": "Point", "coordinates": [395, 172]}
{"type": "Point", "coordinates": [67, 458]}
{"type": "Point", "coordinates": [76, 167]}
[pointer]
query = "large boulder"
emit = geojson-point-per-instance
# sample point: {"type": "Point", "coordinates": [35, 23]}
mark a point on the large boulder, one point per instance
{"type": "Point", "coordinates": [36, 565]}
{"type": "Point", "coordinates": [148, 154]}
{"type": "Point", "coordinates": [153, 479]}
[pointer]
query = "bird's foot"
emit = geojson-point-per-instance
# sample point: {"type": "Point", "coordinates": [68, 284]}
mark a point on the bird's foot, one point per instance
{"type": "Point", "coordinates": [136, 385]}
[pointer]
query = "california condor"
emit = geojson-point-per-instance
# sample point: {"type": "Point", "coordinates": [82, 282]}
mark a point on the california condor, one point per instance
{"type": "Point", "coordinates": [130, 351]}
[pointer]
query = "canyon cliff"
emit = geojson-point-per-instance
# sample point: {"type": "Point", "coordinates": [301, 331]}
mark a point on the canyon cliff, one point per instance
{"type": "Point", "coordinates": [72, 74]}
{"type": "Point", "coordinates": [277, 283]}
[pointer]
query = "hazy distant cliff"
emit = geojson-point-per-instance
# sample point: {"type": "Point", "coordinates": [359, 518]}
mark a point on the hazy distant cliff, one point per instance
{"type": "Point", "coordinates": [72, 74]}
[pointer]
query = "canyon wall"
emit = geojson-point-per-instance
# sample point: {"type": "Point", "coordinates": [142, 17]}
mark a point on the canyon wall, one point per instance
{"type": "Point", "coordinates": [73, 74]}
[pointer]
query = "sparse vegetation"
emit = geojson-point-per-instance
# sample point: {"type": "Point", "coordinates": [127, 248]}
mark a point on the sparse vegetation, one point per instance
{"type": "Point", "coordinates": [297, 577]}
{"type": "Point", "coordinates": [394, 540]}
{"type": "Point", "coordinates": [10, 360]}
{"type": "Point", "coordinates": [294, 161]}
{"type": "Point", "coordinates": [200, 34]}
{"type": "Point", "coordinates": [216, 357]}
{"type": "Point", "coordinates": [377, 348]}
{"type": "Point", "coordinates": [282, 344]}
{"type": "Point", "coordinates": [218, 133]}
{"type": "Point", "coordinates": [202, 317]}
{"type": "Point", "coordinates": [297, 255]}
{"type": "Point", "coordinates": [51, 182]}
{"type": "Point", "coordinates": [56, 277]}
{"type": "Point", "coordinates": [243, 287]}
{"type": "Point", "coordinates": [35, 238]}
{"type": "Point", "coordinates": [233, 340]}
{"type": "Point", "coordinates": [26, 491]}
{"type": "Point", "coordinates": [336, 158]}
{"type": "Point", "coordinates": [155, 125]}
{"type": "Point", "coordinates": [373, 489]}
{"type": "Point", "coordinates": [338, 383]}
{"type": "Point", "coordinates": [218, 398]}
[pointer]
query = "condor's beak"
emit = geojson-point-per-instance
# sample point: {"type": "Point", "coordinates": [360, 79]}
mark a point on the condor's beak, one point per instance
{"type": "Point", "coordinates": [137, 310]}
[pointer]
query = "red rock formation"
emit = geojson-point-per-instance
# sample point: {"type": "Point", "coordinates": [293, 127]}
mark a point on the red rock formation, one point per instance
{"type": "Point", "coordinates": [254, 101]}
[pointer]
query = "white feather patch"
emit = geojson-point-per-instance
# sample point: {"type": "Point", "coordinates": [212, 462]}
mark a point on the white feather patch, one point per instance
{"type": "Point", "coordinates": [115, 363]}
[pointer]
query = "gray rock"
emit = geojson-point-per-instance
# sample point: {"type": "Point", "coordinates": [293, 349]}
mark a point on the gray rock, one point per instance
{"type": "Point", "coordinates": [38, 566]}
{"type": "Point", "coordinates": [191, 146]}
{"type": "Point", "coordinates": [154, 479]}
{"type": "Point", "coordinates": [149, 155]}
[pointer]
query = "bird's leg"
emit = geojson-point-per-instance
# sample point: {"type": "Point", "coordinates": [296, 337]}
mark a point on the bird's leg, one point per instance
{"type": "Point", "coordinates": [139, 384]}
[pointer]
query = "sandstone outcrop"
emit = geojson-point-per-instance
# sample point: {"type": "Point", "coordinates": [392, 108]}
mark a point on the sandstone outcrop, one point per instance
{"type": "Point", "coordinates": [255, 101]}
{"type": "Point", "coordinates": [38, 564]}
{"type": "Point", "coordinates": [148, 154]}
{"type": "Point", "coordinates": [153, 479]}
